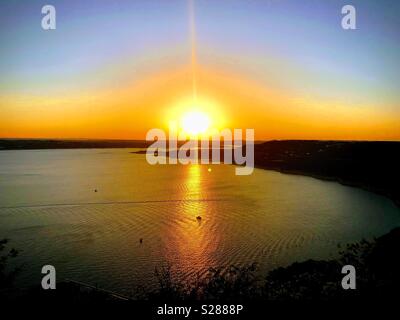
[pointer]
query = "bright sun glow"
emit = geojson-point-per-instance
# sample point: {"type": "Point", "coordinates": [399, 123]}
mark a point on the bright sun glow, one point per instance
{"type": "Point", "coordinates": [195, 119]}
{"type": "Point", "coordinates": [195, 122]}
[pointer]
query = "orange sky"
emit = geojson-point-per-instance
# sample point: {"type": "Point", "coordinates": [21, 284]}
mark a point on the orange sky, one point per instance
{"type": "Point", "coordinates": [129, 111]}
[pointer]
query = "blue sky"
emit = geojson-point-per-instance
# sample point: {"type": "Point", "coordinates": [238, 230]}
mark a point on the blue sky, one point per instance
{"type": "Point", "coordinates": [307, 33]}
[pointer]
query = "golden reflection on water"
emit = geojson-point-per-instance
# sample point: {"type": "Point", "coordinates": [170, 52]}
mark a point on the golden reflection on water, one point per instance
{"type": "Point", "coordinates": [193, 245]}
{"type": "Point", "coordinates": [193, 182]}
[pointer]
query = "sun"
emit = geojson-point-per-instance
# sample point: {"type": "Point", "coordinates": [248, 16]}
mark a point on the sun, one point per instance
{"type": "Point", "coordinates": [195, 119]}
{"type": "Point", "coordinates": [195, 123]}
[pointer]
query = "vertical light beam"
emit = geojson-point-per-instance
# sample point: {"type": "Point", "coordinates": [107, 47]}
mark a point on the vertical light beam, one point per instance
{"type": "Point", "coordinates": [193, 48]}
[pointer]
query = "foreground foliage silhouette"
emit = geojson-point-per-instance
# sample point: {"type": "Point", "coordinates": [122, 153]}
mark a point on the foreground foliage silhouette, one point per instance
{"type": "Point", "coordinates": [377, 264]}
{"type": "Point", "coordinates": [7, 276]}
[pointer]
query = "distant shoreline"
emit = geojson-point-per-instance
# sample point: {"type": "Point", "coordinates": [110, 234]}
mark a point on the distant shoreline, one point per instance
{"type": "Point", "coordinates": [372, 166]}
{"type": "Point", "coordinates": [40, 144]}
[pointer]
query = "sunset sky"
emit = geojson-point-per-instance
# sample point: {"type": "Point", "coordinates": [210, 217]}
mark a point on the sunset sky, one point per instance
{"type": "Point", "coordinates": [115, 69]}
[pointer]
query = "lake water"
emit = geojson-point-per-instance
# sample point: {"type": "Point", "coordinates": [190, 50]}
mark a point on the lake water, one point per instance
{"type": "Point", "coordinates": [50, 210]}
